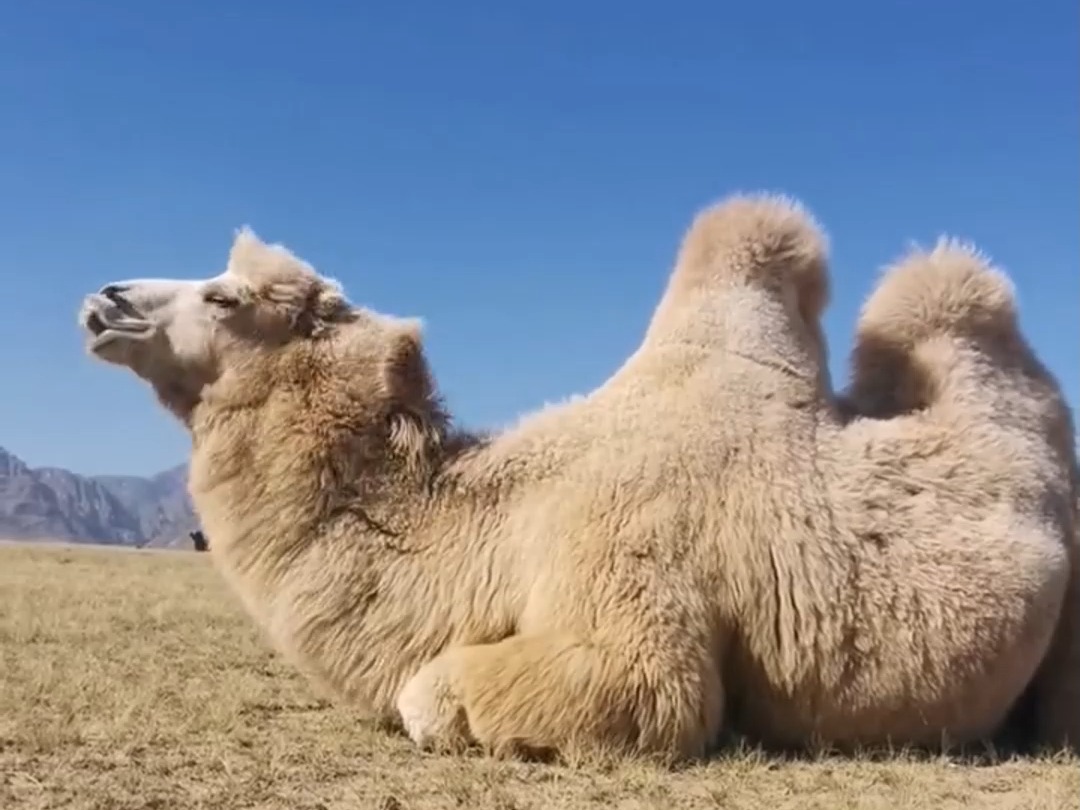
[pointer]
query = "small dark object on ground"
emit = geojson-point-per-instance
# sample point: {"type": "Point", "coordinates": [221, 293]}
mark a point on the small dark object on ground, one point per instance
{"type": "Point", "coordinates": [199, 540]}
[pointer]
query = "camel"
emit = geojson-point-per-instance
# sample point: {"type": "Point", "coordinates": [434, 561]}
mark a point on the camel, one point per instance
{"type": "Point", "coordinates": [710, 540]}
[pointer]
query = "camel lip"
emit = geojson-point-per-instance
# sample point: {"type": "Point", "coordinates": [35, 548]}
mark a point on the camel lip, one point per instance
{"type": "Point", "coordinates": [105, 322]}
{"type": "Point", "coordinates": [102, 339]}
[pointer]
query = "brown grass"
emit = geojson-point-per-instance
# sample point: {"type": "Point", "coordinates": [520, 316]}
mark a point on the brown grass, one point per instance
{"type": "Point", "coordinates": [130, 679]}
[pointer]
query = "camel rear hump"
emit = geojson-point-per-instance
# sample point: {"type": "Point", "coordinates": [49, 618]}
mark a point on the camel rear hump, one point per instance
{"type": "Point", "coordinates": [941, 363]}
{"type": "Point", "coordinates": [940, 333]}
{"type": "Point", "coordinates": [939, 341]}
{"type": "Point", "coordinates": [951, 289]}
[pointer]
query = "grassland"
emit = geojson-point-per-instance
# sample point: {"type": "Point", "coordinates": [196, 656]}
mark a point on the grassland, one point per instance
{"type": "Point", "coordinates": [131, 679]}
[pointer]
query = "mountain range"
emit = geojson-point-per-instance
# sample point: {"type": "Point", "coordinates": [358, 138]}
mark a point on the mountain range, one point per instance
{"type": "Point", "coordinates": [49, 503]}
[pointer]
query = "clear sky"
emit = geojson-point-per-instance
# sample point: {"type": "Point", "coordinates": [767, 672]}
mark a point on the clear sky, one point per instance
{"type": "Point", "coordinates": [519, 174]}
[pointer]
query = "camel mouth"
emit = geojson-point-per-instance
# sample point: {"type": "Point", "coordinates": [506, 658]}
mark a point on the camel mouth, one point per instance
{"type": "Point", "coordinates": [106, 320]}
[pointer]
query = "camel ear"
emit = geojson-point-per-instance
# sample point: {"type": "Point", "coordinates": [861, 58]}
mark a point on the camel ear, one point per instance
{"type": "Point", "coordinates": [309, 311]}
{"type": "Point", "coordinates": [405, 371]}
{"type": "Point", "coordinates": [415, 418]}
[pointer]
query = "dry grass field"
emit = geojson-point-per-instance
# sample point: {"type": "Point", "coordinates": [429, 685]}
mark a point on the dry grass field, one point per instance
{"type": "Point", "coordinates": [130, 679]}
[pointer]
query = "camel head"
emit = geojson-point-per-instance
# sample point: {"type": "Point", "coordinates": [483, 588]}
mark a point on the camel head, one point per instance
{"type": "Point", "coordinates": [267, 322]}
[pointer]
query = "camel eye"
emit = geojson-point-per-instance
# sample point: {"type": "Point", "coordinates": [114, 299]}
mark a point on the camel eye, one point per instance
{"type": "Point", "coordinates": [221, 300]}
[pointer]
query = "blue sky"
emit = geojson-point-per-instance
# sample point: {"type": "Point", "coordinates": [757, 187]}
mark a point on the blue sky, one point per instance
{"type": "Point", "coordinates": [519, 174]}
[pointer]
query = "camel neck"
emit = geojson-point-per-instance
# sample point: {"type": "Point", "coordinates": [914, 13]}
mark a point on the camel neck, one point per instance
{"type": "Point", "coordinates": [391, 567]}
{"type": "Point", "coordinates": [268, 490]}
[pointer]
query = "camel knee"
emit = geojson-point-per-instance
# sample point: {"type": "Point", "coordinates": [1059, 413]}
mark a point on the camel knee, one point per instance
{"type": "Point", "coordinates": [558, 693]}
{"type": "Point", "coordinates": [431, 712]}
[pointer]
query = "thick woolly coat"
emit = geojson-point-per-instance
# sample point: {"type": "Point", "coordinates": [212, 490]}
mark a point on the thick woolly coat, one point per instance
{"type": "Point", "coordinates": [710, 538]}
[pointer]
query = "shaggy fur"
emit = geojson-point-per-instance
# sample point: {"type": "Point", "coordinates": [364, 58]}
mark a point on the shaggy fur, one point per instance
{"type": "Point", "coordinates": [703, 541]}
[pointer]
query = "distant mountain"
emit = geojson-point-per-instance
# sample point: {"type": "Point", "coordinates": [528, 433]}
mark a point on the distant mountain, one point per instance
{"type": "Point", "coordinates": [47, 503]}
{"type": "Point", "coordinates": [160, 503]}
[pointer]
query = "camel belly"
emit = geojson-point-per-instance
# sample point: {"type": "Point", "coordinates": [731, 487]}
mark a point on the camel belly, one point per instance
{"type": "Point", "coordinates": [927, 702]}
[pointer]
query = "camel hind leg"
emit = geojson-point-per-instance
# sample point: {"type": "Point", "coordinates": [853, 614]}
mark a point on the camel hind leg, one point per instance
{"type": "Point", "coordinates": [939, 340]}
{"type": "Point", "coordinates": [1048, 715]}
{"type": "Point", "coordinates": [1056, 689]}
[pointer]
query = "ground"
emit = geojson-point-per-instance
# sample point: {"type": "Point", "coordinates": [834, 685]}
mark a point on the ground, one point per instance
{"type": "Point", "coordinates": [131, 679]}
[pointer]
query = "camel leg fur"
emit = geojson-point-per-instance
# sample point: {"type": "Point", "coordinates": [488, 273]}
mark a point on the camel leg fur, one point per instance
{"type": "Point", "coordinates": [647, 699]}
{"type": "Point", "coordinates": [937, 335]}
